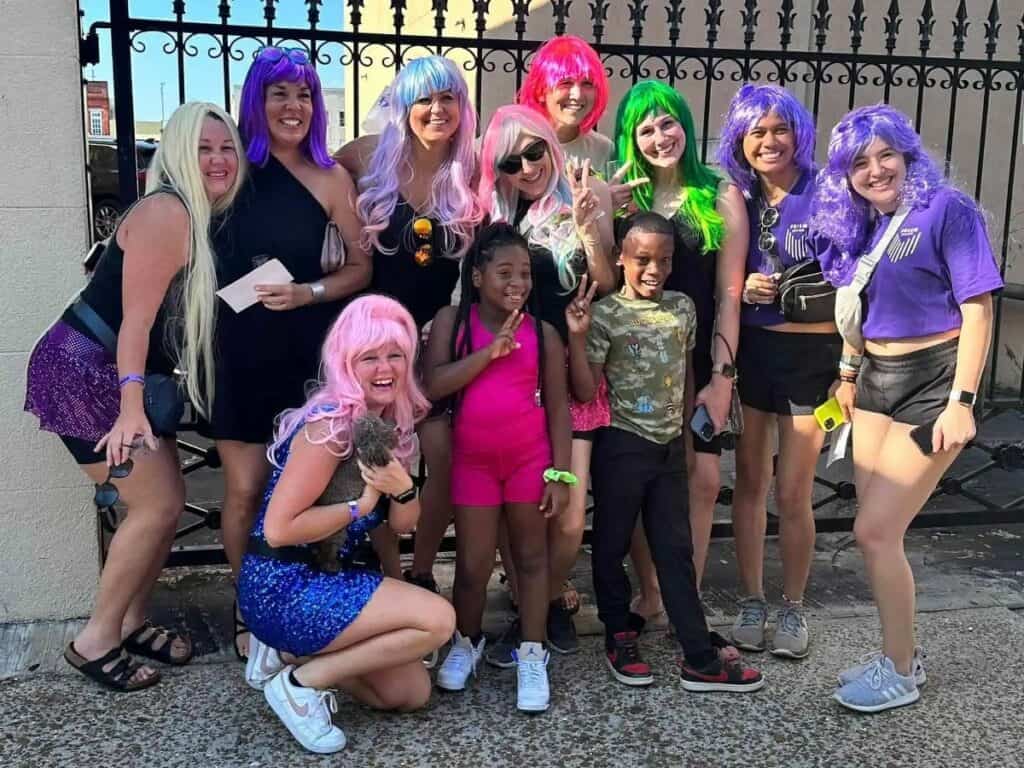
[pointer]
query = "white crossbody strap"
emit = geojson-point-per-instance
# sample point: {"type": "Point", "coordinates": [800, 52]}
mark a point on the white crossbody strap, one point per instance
{"type": "Point", "coordinates": [867, 263]}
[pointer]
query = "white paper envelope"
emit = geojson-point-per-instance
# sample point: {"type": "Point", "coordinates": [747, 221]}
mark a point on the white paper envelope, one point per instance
{"type": "Point", "coordinates": [241, 294]}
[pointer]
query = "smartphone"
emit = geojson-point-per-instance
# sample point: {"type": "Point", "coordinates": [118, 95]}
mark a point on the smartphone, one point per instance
{"type": "Point", "coordinates": [922, 437]}
{"type": "Point", "coordinates": [829, 415]}
{"type": "Point", "coordinates": [702, 425]}
{"type": "Point", "coordinates": [92, 258]}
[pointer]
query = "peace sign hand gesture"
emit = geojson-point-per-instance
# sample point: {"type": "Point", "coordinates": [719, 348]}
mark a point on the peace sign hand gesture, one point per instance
{"type": "Point", "coordinates": [622, 192]}
{"type": "Point", "coordinates": [577, 313]}
{"type": "Point", "coordinates": [585, 205]}
{"type": "Point", "coordinates": [505, 340]}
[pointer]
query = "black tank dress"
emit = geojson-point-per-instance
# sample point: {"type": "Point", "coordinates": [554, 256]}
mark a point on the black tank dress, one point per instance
{"type": "Point", "coordinates": [694, 273]}
{"type": "Point", "coordinates": [420, 285]}
{"type": "Point", "coordinates": [266, 359]}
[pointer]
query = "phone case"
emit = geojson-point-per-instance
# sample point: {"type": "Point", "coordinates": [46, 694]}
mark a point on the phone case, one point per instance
{"type": "Point", "coordinates": [702, 425]}
{"type": "Point", "coordinates": [922, 436]}
{"type": "Point", "coordinates": [829, 415]}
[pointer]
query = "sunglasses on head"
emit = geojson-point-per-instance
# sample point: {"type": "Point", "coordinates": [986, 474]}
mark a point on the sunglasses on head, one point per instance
{"type": "Point", "coordinates": [423, 231]}
{"type": "Point", "coordinates": [766, 239]}
{"type": "Point", "coordinates": [514, 163]}
{"type": "Point", "coordinates": [274, 53]}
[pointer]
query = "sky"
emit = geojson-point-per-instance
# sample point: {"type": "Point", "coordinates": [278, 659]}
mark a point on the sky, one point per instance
{"type": "Point", "coordinates": [203, 74]}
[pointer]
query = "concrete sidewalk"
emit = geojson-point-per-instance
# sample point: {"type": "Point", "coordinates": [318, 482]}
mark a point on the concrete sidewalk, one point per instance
{"type": "Point", "coordinates": [970, 585]}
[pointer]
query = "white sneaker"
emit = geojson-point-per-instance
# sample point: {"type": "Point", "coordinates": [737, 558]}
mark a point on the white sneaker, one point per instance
{"type": "Point", "coordinates": [532, 691]}
{"type": "Point", "coordinates": [460, 663]}
{"type": "Point", "coordinates": [306, 713]}
{"type": "Point", "coordinates": [263, 663]}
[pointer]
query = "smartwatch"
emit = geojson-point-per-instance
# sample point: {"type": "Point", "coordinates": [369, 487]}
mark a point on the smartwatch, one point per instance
{"type": "Point", "coordinates": [963, 397]}
{"type": "Point", "coordinates": [406, 496]}
{"type": "Point", "coordinates": [725, 369]}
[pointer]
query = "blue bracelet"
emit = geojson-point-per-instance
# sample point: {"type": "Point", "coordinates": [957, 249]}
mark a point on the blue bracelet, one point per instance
{"type": "Point", "coordinates": [132, 378]}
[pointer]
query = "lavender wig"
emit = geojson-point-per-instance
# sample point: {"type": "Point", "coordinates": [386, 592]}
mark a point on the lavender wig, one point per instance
{"type": "Point", "coordinates": [452, 201]}
{"type": "Point", "coordinates": [252, 118]}
{"type": "Point", "coordinates": [750, 104]}
{"type": "Point", "coordinates": [838, 212]}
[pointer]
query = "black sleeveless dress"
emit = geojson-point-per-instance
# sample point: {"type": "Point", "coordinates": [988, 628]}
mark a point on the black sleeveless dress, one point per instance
{"type": "Point", "coordinates": [694, 273]}
{"type": "Point", "coordinates": [266, 359]}
{"type": "Point", "coordinates": [421, 286]}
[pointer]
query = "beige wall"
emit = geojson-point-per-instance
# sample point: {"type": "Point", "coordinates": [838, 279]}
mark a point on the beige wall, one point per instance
{"type": "Point", "coordinates": [48, 553]}
{"type": "Point", "coordinates": [500, 89]}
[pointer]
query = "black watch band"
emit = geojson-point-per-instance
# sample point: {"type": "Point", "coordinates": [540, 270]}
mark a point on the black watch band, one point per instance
{"type": "Point", "coordinates": [406, 496]}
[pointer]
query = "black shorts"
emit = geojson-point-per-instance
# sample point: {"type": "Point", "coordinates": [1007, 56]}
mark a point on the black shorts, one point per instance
{"type": "Point", "coordinates": [786, 373]}
{"type": "Point", "coordinates": [912, 388]}
{"type": "Point", "coordinates": [84, 451]}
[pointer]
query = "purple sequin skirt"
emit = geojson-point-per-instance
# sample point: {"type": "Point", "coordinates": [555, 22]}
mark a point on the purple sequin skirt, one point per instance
{"type": "Point", "coordinates": [72, 384]}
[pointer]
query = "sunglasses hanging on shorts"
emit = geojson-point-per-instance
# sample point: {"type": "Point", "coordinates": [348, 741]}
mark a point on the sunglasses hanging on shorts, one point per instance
{"type": "Point", "coordinates": [105, 494]}
{"type": "Point", "coordinates": [766, 241]}
{"type": "Point", "coordinates": [514, 163]}
{"type": "Point", "coordinates": [423, 231]}
{"type": "Point", "coordinates": [274, 53]}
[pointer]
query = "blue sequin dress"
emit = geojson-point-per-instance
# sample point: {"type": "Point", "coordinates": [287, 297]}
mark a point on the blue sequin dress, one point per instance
{"type": "Point", "coordinates": [296, 608]}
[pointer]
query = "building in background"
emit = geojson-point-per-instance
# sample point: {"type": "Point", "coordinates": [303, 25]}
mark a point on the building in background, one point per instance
{"type": "Point", "coordinates": [97, 108]}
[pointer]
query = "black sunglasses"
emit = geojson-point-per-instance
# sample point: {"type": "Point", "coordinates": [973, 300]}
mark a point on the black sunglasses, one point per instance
{"type": "Point", "coordinates": [274, 53]}
{"type": "Point", "coordinates": [106, 494]}
{"type": "Point", "coordinates": [766, 239]}
{"type": "Point", "coordinates": [533, 153]}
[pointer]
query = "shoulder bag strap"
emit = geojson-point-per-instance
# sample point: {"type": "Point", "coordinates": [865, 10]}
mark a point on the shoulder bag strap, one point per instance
{"type": "Point", "coordinates": [867, 263]}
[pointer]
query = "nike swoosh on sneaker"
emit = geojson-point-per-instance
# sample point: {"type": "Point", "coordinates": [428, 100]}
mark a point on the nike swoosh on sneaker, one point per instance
{"type": "Point", "coordinates": [267, 670]}
{"type": "Point", "coordinates": [300, 710]}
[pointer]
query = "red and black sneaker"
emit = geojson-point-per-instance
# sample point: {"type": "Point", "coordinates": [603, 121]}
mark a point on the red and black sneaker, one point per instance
{"type": "Point", "coordinates": [727, 673]}
{"type": "Point", "coordinates": [625, 663]}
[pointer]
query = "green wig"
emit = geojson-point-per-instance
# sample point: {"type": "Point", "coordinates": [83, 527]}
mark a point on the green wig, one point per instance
{"type": "Point", "coordinates": [698, 182]}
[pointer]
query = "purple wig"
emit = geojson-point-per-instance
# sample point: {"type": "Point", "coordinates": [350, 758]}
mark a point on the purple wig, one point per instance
{"type": "Point", "coordinates": [838, 212]}
{"type": "Point", "coordinates": [252, 115]}
{"type": "Point", "coordinates": [750, 104]}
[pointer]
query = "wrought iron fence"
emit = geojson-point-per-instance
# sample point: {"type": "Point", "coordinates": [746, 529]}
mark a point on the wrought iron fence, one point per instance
{"type": "Point", "coordinates": [962, 88]}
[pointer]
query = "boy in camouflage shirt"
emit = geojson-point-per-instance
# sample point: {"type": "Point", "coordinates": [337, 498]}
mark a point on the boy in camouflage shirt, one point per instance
{"type": "Point", "coordinates": [640, 339]}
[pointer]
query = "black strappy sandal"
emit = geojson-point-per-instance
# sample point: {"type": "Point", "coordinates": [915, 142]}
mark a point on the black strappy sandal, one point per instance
{"type": "Point", "coordinates": [241, 628]}
{"type": "Point", "coordinates": [148, 647]}
{"type": "Point", "coordinates": [118, 677]}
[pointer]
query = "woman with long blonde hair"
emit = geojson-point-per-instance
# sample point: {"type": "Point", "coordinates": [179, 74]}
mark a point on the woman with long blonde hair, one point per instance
{"type": "Point", "coordinates": [153, 296]}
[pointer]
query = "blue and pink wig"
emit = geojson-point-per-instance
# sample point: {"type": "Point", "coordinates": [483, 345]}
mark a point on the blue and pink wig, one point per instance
{"type": "Point", "coordinates": [367, 324]}
{"type": "Point", "coordinates": [452, 202]}
{"type": "Point", "coordinates": [281, 65]}
{"type": "Point", "coordinates": [750, 104]}
{"type": "Point", "coordinates": [838, 212]}
{"type": "Point", "coordinates": [565, 58]}
{"type": "Point", "coordinates": [548, 220]}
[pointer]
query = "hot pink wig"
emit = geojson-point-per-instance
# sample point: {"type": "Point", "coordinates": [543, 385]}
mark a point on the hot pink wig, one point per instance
{"type": "Point", "coordinates": [565, 58]}
{"type": "Point", "coordinates": [368, 323]}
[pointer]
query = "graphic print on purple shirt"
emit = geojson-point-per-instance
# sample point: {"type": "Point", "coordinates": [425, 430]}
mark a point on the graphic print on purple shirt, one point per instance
{"type": "Point", "coordinates": [792, 243]}
{"type": "Point", "coordinates": [939, 258]}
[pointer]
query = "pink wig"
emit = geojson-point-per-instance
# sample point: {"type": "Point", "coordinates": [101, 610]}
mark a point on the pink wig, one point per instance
{"type": "Point", "coordinates": [565, 58]}
{"type": "Point", "coordinates": [368, 323]}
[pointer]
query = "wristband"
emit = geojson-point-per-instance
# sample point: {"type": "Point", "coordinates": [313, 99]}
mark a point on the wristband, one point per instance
{"type": "Point", "coordinates": [405, 496]}
{"type": "Point", "coordinates": [131, 378]}
{"type": "Point", "coordinates": [851, 361]}
{"type": "Point", "coordinates": [318, 289]}
{"type": "Point", "coordinates": [353, 510]}
{"type": "Point", "coordinates": [552, 475]}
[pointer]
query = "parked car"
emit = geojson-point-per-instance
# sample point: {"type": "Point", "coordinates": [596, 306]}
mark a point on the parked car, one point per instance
{"type": "Point", "coordinates": [107, 204]}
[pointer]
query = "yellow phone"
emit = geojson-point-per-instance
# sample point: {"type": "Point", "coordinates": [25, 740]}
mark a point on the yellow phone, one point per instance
{"type": "Point", "coordinates": [829, 415]}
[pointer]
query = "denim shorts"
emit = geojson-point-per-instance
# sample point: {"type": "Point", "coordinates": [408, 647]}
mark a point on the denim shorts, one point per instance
{"type": "Point", "coordinates": [912, 388]}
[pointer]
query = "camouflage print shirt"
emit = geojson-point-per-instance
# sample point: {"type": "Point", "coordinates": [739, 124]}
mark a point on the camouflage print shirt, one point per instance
{"type": "Point", "coordinates": [643, 346]}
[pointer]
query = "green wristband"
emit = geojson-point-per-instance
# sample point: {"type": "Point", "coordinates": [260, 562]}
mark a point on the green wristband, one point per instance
{"type": "Point", "coordinates": [553, 475]}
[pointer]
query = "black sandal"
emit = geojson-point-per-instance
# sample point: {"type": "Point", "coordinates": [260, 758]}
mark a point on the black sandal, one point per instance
{"type": "Point", "coordinates": [118, 677]}
{"type": "Point", "coordinates": [241, 628]}
{"type": "Point", "coordinates": [148, 647]}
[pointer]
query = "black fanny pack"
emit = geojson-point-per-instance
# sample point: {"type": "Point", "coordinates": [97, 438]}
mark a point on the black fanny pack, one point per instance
{"type": "Point", "coordinates": [163, 399]}
{"type": "Point", "coordinates": [805, 296]}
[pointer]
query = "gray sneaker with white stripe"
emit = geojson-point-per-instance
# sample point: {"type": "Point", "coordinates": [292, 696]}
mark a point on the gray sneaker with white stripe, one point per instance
{"type": "Point", "coordinates": [879, 687]}
{"type": "Point", "coordinates": [916, 667]}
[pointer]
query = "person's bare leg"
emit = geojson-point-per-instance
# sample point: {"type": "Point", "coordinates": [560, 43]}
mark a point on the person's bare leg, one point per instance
{"type": "Point", "coordinates": [750, 498]}
{"type": "Point", "coordinates": [386, 545]}
{"type": "Point", "coordinates": [246, 470]}
{"type": "Point", "coordinates": [527, 536]}
{"type": "Point", "coordinates": [154, 495]}
{"type": "Point", "coordinates": [399, 625]}
{"type": "Point", "coordinates": [476, 537]}
{"type": "Point", "coordinates": [565, 532]}
{"type": "Point", "coordinates": [404, 688]}
{"type": "Point", "coordinates": [800, 441]}
{"type": "Point", "coordinates": [436, 505]}
{"type": "Point", "coordinates": [898, 484]}
{"type": "Point", "coordinates": [507, 565]}
{"type": "Point", "coordinates": [705, 479]}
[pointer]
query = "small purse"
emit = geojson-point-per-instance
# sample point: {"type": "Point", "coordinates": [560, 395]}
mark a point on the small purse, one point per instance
{"type": "Point", "coordinates": [805, 296]}
{"type": "Point", "coordinates": [332, 254]}
{"type": "Point", "coordinates": [734, 422]}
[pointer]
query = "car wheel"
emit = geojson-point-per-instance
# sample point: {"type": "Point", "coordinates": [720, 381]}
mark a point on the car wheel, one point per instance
{"type": "Point", "coordinates": [104, 217]}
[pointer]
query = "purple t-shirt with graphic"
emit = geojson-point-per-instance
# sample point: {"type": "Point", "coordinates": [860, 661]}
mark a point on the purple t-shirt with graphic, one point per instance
{"type": "Point", "coordinates": [793, 244]}
{"type": "Point", "coordinates": [939, 258]}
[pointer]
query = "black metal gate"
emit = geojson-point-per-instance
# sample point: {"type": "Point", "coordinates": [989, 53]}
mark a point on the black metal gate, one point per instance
{"type": "Point", "coordinates": [959, 74]}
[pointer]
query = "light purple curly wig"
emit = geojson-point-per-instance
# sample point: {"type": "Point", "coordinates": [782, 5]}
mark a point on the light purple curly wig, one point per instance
{"type": "Point", "coordinates": [750, 104]}
{"type": "Point", "coordinates": [252, 117]}
{"type": "Point", "coordinates": [838, 212]}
